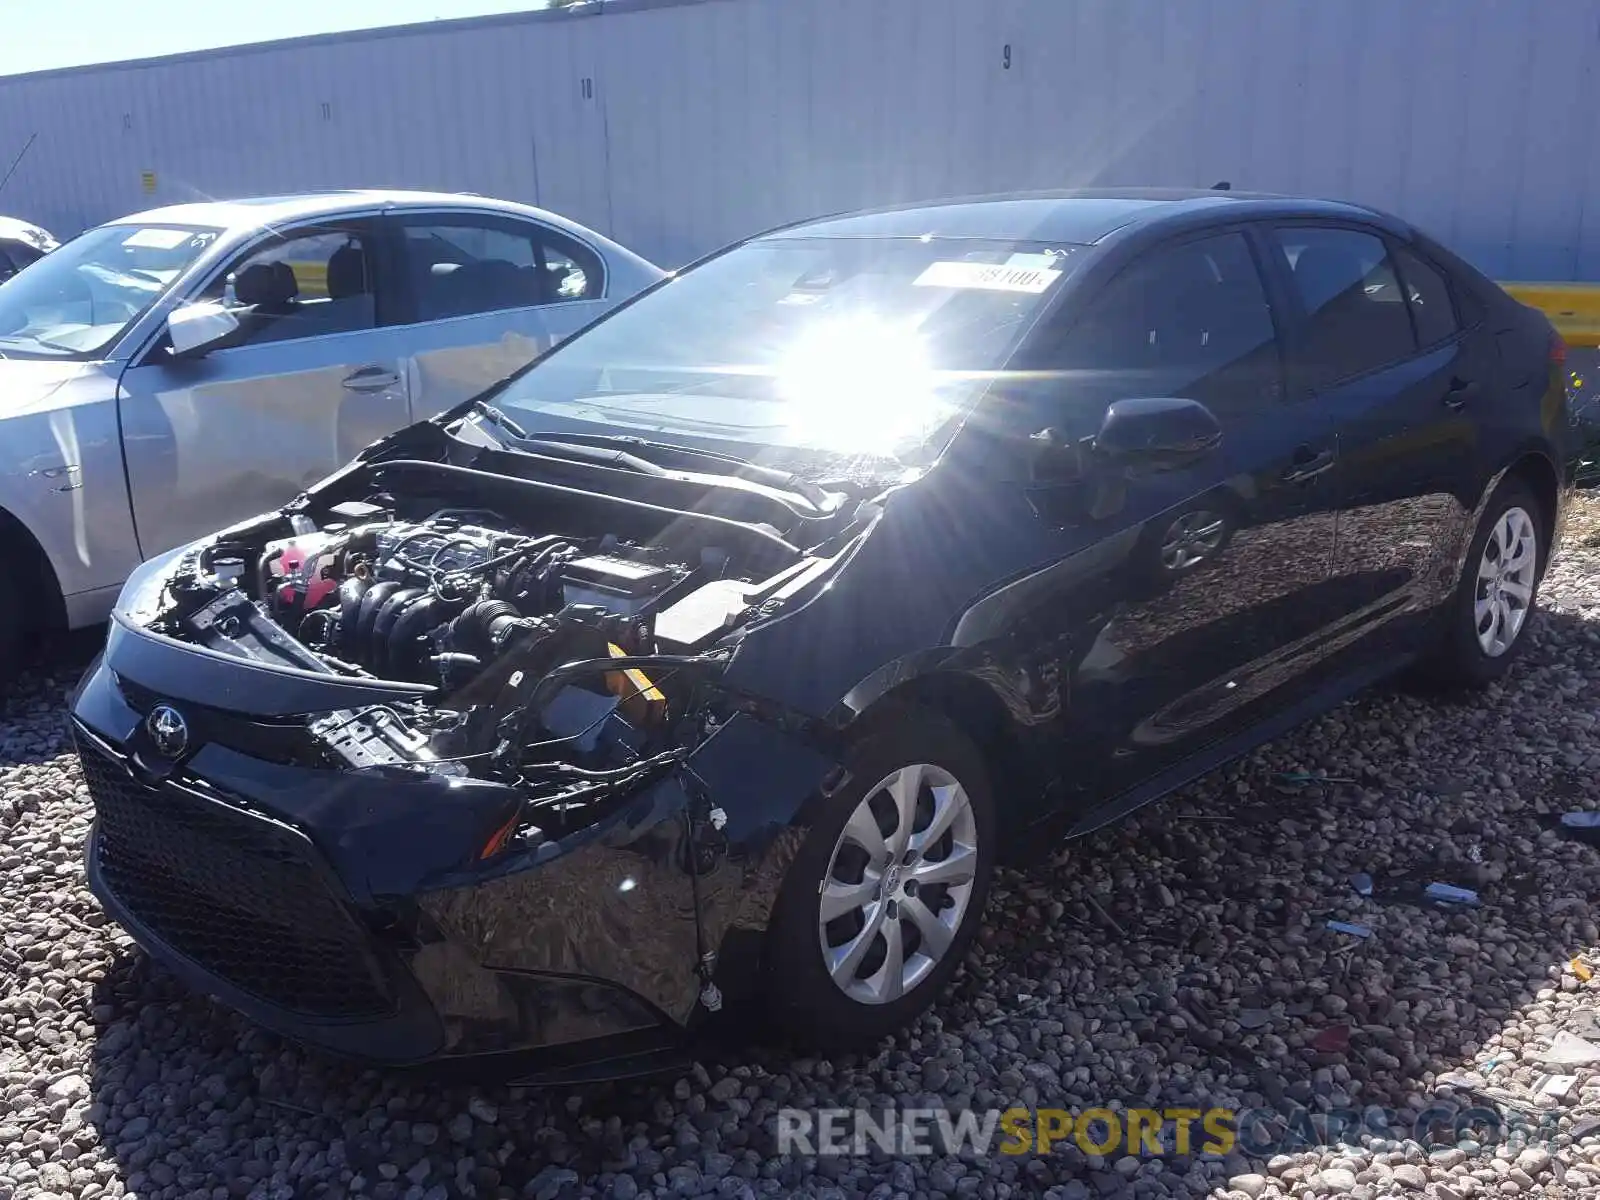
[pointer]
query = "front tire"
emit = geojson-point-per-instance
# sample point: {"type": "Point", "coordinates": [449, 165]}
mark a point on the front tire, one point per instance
{"type": "Point", "coordinates": [13, 630]}
{"type": "Point", "coordinates": [884, 897]}
{"type": "Point", "coordinates": [1487, 618]}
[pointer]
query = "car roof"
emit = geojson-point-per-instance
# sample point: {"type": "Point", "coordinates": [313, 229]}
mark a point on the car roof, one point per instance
{"type": "Point", "coordinates": [12, 228]}
{"type": "Point", "coordinates": [255, 212]}
{"type": "Point", "coordinates": [1074, 217]}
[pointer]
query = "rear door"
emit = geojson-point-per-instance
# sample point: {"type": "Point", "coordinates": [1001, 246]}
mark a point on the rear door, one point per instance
{"type": "Point", "coordinates": [481, 294]}
{"type": "Point", "coordinates": [1380, 348]}
{"type": "Point", "coordinates": [218, 439]}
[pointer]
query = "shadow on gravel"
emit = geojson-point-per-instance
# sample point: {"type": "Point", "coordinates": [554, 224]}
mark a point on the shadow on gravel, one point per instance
{"type": "Point", "coordinates": [40, 690]}
{"type": "Point", "coordinates": [1181, 959]}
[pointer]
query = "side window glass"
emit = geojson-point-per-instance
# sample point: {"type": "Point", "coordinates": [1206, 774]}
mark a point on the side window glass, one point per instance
{"type": "Point", "coordinates": [302, 285]}
{"type": "Point", "coordinates": [567, 275]}
{"type": "Point", "coordinates": [1189, 320]}
{"type": "Point", "coordinates": [459, 266]}
{"type": "Point", "coordinates": [1356, 317]}
{"type": "Point", "coordinates": [16, 255]}
{"type": "Point", "coordinates": [1429, 297]}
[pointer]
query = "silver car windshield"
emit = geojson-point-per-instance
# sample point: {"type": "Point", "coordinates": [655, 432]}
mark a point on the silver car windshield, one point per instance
{"type": "Point", "coordinates": [76, 301]}
{"type": "Point", "coordinates": [853, 346]}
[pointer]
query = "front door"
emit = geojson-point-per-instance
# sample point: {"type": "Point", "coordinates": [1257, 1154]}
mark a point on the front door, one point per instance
{"type": "Point", "coordinates": [218, 439]}
{"type": "Point", "coordinates": [1380, 349]}
{"type": "Point", "coordinates": [1205, 614]}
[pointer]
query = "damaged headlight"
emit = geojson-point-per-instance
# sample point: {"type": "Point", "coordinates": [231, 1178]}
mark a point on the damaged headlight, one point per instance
{"type": "Point", "coordinates": [141, 598]}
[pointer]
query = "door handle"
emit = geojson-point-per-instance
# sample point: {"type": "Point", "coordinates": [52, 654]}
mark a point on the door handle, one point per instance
{"type": "Point", "coordinates": [371, 379]}
{"type": "Point", "coordinates": [1459, 392]}
{"type": "Point", "coordinates": [1307, 464]}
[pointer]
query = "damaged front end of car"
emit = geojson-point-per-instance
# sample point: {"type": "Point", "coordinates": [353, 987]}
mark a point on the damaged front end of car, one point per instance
{"type": "Point", "coordinates": [440, 764]}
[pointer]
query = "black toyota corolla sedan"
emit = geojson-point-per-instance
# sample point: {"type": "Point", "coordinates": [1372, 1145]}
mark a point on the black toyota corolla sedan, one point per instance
{"type": "Point", "coordinates": [712, 661]}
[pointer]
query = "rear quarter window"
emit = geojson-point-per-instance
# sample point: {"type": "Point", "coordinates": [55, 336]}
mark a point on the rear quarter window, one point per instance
{"type": "Point", "coordinates": [1428, 293]}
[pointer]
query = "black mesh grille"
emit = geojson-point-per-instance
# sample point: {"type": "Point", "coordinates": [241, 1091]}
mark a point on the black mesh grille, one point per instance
{"type": "Point", "coordinates": [238, 894]}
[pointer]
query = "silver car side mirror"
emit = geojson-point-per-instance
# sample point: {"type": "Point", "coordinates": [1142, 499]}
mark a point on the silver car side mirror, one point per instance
{"type": "Point", "coordinates": [196, 328]}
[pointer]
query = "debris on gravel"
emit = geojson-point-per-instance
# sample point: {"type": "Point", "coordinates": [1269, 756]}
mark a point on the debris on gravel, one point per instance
{"type": "Point", "coordinates": [1181, 959]}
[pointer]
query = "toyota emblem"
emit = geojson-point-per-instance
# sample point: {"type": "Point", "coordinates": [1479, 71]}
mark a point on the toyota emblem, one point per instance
{"type": "Point", "coordinates": [168, 731]}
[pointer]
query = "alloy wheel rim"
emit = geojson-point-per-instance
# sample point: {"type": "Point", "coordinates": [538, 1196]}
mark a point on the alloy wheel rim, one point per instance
{"type": "Point", "coordinates": [1506, 570]}
{"type": "Point", "coordinates": [898, 884]}
{"type": "Point", "coordinates": [1190, 539]}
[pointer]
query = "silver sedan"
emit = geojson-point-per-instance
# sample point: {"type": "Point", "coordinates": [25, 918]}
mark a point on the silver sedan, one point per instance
{"type": "Point", "coordinates": [172, 372]}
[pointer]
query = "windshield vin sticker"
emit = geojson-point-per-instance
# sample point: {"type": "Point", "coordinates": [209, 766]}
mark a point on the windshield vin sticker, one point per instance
{"type": "Point", "coordinates": [1047, 260]}
{"type": "Point", "coordinates": [158, 239]}
{"type": "Point", "coordinates": [995, 277]}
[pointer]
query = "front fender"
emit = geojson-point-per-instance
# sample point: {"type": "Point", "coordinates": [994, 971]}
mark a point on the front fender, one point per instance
{"type": "Point", "coordinates": [62, 479]}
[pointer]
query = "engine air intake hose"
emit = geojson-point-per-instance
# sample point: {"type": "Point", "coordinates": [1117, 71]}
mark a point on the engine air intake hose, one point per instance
{"type": "Point", "coordinates": [485, 628]}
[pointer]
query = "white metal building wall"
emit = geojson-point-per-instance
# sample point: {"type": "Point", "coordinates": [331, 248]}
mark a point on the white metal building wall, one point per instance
{"type": "Point", "coordinates": [677, 126]}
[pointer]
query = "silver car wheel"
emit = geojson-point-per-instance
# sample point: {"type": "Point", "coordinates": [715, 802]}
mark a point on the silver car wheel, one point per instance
{"type": "Point", "coordinates": [1191, 539]}
{"type": "Point", "coordinates": [898, 885]}
{"type": "Point", "coordinates": [1506, 575]}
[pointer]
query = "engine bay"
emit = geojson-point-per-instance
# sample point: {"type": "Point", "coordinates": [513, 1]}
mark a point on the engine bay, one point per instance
{"type": "Point", "coordinates": [438, 600]}
{"type": "Point", "coordinates": [571, 666]}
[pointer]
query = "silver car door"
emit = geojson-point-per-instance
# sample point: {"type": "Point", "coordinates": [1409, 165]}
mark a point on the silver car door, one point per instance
{"type": "Point", "coordinates": [241, 430]}
{"type": "Point", "coordinates": [486, 293]}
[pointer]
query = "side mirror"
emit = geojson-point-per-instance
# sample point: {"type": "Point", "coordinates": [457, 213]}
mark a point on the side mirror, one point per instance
{"type": "Point", "coordinates": [1157, 433]}
{"type": "Point", "coordinates": [198, 328]}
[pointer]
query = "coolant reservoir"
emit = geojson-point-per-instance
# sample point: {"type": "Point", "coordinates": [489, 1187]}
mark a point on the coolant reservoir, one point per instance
{"type": "Point", "coordinates": [297, 571]}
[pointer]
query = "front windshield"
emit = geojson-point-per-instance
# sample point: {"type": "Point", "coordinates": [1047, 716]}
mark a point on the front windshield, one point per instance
{"type": "Point", "coordinates": [76, 301]}
{"type": "Point", "coordinates": [849, 346]}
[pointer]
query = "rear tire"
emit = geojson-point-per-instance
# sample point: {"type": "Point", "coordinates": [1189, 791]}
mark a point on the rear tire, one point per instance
{"type": "Point", "coordinates": [901, 907]}
{"type": "Point", "coordinates": [1486, 620]}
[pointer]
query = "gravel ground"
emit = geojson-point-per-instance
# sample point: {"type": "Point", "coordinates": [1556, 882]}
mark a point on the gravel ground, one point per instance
{"type": "Point", "coordinates": [1178, 957]}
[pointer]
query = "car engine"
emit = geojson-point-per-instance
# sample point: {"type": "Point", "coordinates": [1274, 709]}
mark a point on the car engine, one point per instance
{"type": "Point", "coordinates": [530, 656]}
{"type": "Point", "coordinates": [438, 600]}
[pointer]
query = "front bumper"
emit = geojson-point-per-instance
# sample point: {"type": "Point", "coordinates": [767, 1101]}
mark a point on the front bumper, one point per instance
{"type": "Point", "coordinates": [350, 911]}
{"type": "Point", "coordinates": [242, 907]}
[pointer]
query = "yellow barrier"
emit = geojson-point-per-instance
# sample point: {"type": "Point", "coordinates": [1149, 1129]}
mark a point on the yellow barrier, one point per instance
{"type": "Point", "coordinates": [1573, 308]}
{"type": "Point", "coordinates": [312, 279]}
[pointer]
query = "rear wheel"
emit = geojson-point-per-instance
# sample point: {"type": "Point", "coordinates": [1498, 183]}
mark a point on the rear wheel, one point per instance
{"type": "Point", "coordinates": [1487, 619]}
{"type": "Point", "coordinates": [884, 897]}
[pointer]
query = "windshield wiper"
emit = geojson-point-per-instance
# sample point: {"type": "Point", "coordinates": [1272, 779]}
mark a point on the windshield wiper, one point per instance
{"type": "Point", "coordinates": [609, 450]}
{"type": "Point", "coordinates": [516, 436]}
{"type": "Point", "coordinates": [742, 468]}
{"type": "Point", "coordinates": [484, 409]}
{"type": "Point", "coordinates": [599, 456]}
